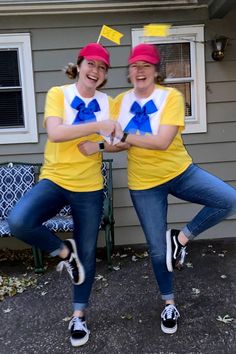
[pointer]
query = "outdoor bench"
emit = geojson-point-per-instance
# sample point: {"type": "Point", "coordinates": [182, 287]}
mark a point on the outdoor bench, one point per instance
{"type": "Point", "coordinates": [17, 178]}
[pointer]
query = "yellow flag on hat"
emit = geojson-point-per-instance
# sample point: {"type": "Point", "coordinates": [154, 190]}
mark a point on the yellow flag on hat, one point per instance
{"type": "Point", "coordinates": [156, 30]}
{"type": "Point", "coordinates": [110, 34]}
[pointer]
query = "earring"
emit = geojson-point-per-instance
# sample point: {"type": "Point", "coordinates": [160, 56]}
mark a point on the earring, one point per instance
{"type": "Point", "coordinates": [155, 75]}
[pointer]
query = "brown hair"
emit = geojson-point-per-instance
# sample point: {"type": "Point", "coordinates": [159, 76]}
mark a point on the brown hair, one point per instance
{"type": "Point", "coordinates": [71, 70]}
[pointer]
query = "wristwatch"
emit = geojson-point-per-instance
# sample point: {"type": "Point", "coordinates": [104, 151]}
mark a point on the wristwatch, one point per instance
{"type": "Point", "coordinates": [124, 137]}
{"type": "Point", "coordinates": [101, 146]}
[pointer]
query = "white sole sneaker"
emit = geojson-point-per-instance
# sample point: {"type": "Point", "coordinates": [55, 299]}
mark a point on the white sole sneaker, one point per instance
{"type": "Point", "coordinates": [169, 330]}
{"type": "Point", "coordinates": [79, 342]}
{"type": "Point", "coordinates": [169, 251]}
{"type": "Point", "coordinates": [79, 264]}
{"type": "Point", "coordinates": [67, 264]}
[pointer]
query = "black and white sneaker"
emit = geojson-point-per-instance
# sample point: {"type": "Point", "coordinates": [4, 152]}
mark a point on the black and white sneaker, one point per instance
{"type": "Point", "coordinates": [175, 252]}
{"type": "Point", "coordinates": [72, 263]}
{"type": "Point", "coordinates": [79, 333]}
{"type": "Point", "coordinates": [169, 317]}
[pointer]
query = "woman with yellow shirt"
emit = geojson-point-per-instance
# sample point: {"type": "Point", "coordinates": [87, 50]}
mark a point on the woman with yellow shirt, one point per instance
{"type": "Point", "coordinates": [152, 117]}
{"type": "Point", "coordinates": [72, 112]}
{"type": "Point", "coordinates": [151, 120]}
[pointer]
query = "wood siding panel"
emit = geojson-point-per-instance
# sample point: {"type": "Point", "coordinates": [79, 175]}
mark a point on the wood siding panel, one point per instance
{"type": "Point", "coordinates": [218, 112]}
{"type": "Point", "coordinates": [129, 235]}
{"type": "Point", "coordinates": [216, 72]}
{"type": "Point", "coordinates": [216, 133]}
{"type": "Point", "coordinates": [221, 92]}
{"type": "Point", "coordinates": [181, 213]}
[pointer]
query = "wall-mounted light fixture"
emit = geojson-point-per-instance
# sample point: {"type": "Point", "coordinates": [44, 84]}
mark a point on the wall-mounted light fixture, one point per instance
{"type": "Point", "coordinates": [219, 44]}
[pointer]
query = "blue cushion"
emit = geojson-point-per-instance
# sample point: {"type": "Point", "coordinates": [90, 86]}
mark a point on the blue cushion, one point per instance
{"type": "Point", "coordinates": [15, 181]}
{"type": "Point", "coordinates": [4, 228]}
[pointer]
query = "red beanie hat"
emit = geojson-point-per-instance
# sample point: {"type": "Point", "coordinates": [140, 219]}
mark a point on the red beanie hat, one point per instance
{"type": "Point", "coordinates": [145, 52]}
{"type": "Point", "coordinates": [95, 51]}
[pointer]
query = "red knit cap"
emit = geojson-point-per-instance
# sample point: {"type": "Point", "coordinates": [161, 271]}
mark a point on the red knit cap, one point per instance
{"type": "Point", "coordinates": [145, 52]}
{"type": "Point", "coordinates": [95, 51]}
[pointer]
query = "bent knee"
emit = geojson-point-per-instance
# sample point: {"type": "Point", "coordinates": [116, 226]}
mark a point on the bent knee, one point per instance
{"type": "Point", "coordinates": [16, 222]}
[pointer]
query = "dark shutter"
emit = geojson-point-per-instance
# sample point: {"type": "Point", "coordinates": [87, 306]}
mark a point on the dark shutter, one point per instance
{"type": "Point", "coordinates": [11, 102]}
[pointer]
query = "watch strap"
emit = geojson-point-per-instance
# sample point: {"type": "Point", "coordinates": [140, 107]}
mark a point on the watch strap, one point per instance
{"type": "Point", "coordinates": [101, 146]}
{"type": "Point", "coordinates": [124, 137]}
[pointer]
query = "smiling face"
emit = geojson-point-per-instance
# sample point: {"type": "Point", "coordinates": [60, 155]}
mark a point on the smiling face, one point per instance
{"type": "Point", "coordinates": [92, 74]}
{"type": "Point", "coordinates": [142, 76]}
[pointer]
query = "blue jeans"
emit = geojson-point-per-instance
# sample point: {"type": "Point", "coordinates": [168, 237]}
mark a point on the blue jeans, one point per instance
{"type": "Point", "coordinates": [193, 185]}
{"type": "Point", "coordinates": [44, 201]}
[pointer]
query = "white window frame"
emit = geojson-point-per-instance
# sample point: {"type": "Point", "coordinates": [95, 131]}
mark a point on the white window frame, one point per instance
{"type": "Point", "coordinates": [28, 134]}
{"type": "Point", "coordinates": [195, 36]}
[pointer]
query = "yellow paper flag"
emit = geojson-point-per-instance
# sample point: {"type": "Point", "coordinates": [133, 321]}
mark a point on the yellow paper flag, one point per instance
{"type": "Point", "coordinates": [110, 34]}
{"type": "Point", "coordinates": [156, 30]}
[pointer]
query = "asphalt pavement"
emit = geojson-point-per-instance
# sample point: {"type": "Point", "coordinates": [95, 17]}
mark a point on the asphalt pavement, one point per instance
{"type": "Point", "coordinates": [125, 306]}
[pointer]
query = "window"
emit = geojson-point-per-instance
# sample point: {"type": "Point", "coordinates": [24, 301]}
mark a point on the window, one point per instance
{"type": "Point", "coordinates": [17, 102]}
{"type": "Point", "coordinates": [183, 67]}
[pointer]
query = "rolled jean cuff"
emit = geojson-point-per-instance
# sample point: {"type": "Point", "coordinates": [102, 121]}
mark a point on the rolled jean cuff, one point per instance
{"type": "Point", "coordinates": [188, 233]}
{"type": "Point", "coordinates": [167, 297]}
{"type": "Point", "coordinates": [78, 306]}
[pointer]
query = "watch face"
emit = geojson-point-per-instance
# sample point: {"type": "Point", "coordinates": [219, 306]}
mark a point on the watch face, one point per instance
{"type": "Point", "coordinates": [101, 146]}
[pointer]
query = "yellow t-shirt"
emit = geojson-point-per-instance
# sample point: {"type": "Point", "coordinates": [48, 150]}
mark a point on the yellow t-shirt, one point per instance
{"type": "Point", "coordinates": [63, 162]}
{"type": "Point", "coordinates": [149, 168]}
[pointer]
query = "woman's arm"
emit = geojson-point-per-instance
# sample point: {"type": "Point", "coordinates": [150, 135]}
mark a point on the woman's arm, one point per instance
{"type": "Point", "coordinates": [161, 141]}
{"type": "Point", "coordinates": [89, 147]}
{"type": "Point", "coordinates": [59, 132]}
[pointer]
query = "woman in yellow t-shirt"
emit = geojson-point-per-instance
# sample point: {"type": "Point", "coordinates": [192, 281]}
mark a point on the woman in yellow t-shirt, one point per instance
{"type": "Point", "coordinates": [151, 120]}
{"type": "Point", "coordinates": [72, 112]}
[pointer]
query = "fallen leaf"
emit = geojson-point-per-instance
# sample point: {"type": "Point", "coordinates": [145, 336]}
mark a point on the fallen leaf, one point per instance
{"type": "Point", "coordinates": [116, 268]}
{"type": "Point", "coordinates": [127, 317]}
{"type": "Point", "coordinates": [196, 291]}
{"type": "Point", "coordinates": [7, 310]}
{"type": "Point", "coordinates": [226, 319]}
{"type": "Point", "coordinates": [189, 265]}
{"type": "Point", "coordinates": [66, 319]}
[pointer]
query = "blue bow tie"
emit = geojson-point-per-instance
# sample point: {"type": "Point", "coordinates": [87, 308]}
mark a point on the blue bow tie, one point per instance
{"type": "Point", "coordinates": [140, 121]}
{"type": "Point", "coordinates": [85, 114]}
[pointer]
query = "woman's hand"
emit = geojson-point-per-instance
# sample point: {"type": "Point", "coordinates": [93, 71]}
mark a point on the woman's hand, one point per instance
{"type": "Point", "coordinates": [107, 127]}
{"type": "Point", "coordinates": [88, 147]}
{"type": "Point", "coordinates": [118, 131]}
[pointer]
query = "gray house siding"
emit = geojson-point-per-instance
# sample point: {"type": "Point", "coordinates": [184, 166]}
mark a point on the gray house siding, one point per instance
{"type": "Point", "coordinates": [55, 40]}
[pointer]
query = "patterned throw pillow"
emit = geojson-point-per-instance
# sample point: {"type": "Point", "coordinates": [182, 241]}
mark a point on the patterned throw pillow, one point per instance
{"type": "Point", "coordinates": [15, 181]}
{"type": "Point", "coordinates": [65, 211]}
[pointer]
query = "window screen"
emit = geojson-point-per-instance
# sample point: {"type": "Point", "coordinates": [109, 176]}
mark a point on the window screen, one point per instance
{"type": "Point", "coordinates": [176, 66]}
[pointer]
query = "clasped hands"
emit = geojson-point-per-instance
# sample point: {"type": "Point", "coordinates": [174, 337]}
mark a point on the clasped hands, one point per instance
{"type": "Point", "coordinates": [111, 131]}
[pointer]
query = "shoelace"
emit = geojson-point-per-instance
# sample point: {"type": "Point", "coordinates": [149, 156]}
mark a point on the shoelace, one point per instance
{"type": "Point", "coordinates": [170, 312]}
{"type": "Point", "coordinates": [183, 254]}
{"type": "Point", "coordinates": [63, 264]}
{"type": "Point", "coordinates": [78, 324]}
